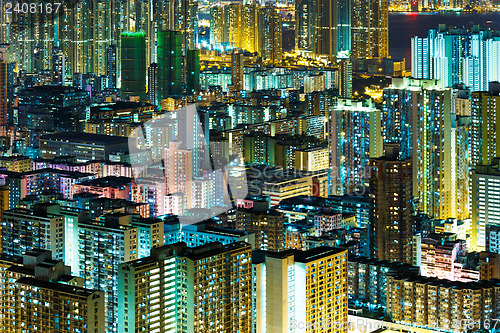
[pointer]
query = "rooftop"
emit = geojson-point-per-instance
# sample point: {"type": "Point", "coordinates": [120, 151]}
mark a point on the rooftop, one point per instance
{"type": "Point", "coordinates": [53, 89]}
{"type": "Point", "coordinates": [110, 181]}
{"type": "Point", "coordinates": [317, 253]}
{"type": "Point", "coordinates": [212, 249]}
{"type": "Point", "coordinates": [300, 256]}
{"type": "Point", "coordinates": [120, 105]}
{"type": "Point", "coordinates": [86, 138]}
{"type": "Point", "coordinates": [65, 288]}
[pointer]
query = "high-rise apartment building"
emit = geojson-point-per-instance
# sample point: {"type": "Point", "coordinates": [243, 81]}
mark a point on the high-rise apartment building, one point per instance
{"type": "Point", "coordinates": [370, 29]}
{"type": "Point", "coordinates": [314, 82]}
{"type": "Point", "coordinates": [463, 152]}
{"type": "Point", "coordinates": [485, 194]}
{"type": "Point", "coordinates": [398, 114]}
{"type": "Point", "coordinates": [421, 117]}
{"type": "Point", "coordinates": [267, 225]}
{"type": "Point", "coordinates": [133, 66]}
{"type": "Point", "coordinates": [41, 295]}
{"type": "Point", "coordinates": [192, 71]}
{"type": "Point", "coordinates": [344, 27]}
{"type": "Point", "coordinates": [355, 137]}
{"type": "Point", "coordinates": [153, 84]}
{"type": "Point", "coordinates": [345, 78]}
{"type": "Point", "coordinates": [259, 148]}
{"type": "Point", "coordinates": [356, 205]}
{"type": "Point", "coordinates": [323, 27]}
{"type": "Point", "coordinates": [492, 238]}
{"type": "Point", "coordinates": [441, 305]}
{"type": "Point", "coordinates": [269, 24]}
{"type": "Point", "coordinates": [111, 69]}
{"type": "Point", "coordinates": [485, 133]}
{"type": "Point", "coordinates": [189, 289]}
{"type": "Point", "coordinates": [46, 226]}
{"type": "Point", "coordinates": [457, 56]}
{"type": "Point", "coordinates": [249, 32]}
{"type": "Point", "coordinates": [338, 28]}
{"type": "Point", "coordinates": [435, 160]}
{"type": "Point", "coordinates": [33, 44]}
{"type": "Point", "coordinates": [368, 279]}
{"type": "Point", "coordinates": [216, 25]}
{"type": "Point", "coordinates": [169, 63]}
{"type": "Point", "coordinates": [102, 30]}
{"type": "Point", "coordinates": [84, 307]}
{"type": "Point", "coordinates": [305, 13]}
{"type": "Point", "coordinates": [391, 195]}
{"type": "Point", "coordinates": [235, 26]}
{"type": "Point", "coordinates": [232, 19]}
{"type": "Point", "coordinates": [4, 102]}
{"type": "Point", "coordinates": [179, 170]}
{"type": "Point", "coordinates": [58, 67]}
{"type": "Point", "coordinates": [179, 15]}
{"type": "Point", "coordinates": [83, 146]}
{"type": "Point", "coordinates": [75, 38]}
{"type": "Point", "coordinates": [41, 227]}
{"type": "Point", "coordinates": [102, 246]}
{"type": "Point", "coordinates": [144, 19]}
{"type": "Point", "coordinates": [311, 159]}
{"type": "Point", "coordinates": [441, 256]}
{"type": "Point", "coordinates": [237, 70]}
{"type": "Point", "coordinates": [300, 290]}
{"type": "Point", "coordinates": [293, 184]}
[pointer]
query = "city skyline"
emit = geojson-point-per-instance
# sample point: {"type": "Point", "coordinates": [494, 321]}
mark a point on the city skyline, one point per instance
{"type": "Point", "coordinates": [250, 166]}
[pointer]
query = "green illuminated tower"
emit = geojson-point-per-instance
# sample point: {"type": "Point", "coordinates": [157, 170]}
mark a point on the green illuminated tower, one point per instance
{"type": "Point", "coordinates": [133, 65]}
{"type": "Point", "coordinates": [193, 70]}
{"type": "Point", "coordinates": [169, 63]}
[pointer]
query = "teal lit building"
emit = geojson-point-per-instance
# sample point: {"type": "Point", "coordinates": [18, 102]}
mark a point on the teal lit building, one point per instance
{"type": "Point", "coordinates": [133, 65]}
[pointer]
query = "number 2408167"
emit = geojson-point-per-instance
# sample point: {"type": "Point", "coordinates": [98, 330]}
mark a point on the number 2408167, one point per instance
{"type": "Point", "coordinates": [32, 7]}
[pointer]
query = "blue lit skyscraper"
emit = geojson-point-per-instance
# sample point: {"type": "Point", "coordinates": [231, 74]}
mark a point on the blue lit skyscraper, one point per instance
{"type": "Point", "coordinates": [355, 137]}
{"type": "Point", "coordinates": [456, 56]}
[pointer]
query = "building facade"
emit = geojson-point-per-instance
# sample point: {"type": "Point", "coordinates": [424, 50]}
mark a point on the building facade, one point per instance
{"type": "Point", "coordinates": [187, 299]}
{"type": "Point", "coordinates": [300, 290]}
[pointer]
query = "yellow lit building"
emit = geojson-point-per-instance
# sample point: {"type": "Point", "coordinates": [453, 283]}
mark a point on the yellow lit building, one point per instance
{"type": "Point", "coordinates": [84, 307]}
{"type": "Point", "coordinates": [311, 159]}
{"type": "Point", "coordinates": [16, 163]}
{"type": "Point", "coordinates": [40, 295]}
{"type": "Point", "coordinates": [292, 185]}
{"type": "Point", "coordinates": [485, 131]}
{"type": "Point", "coordinates": [303, 291]}
{"type": "Point", "coordinates": [420, 115]}
{"type": "Point", "coordinates": [111, 128]}
{"type": "Point", "coordinates": [180, 289]}
{"type": "Point", "coordinates": [267, 224]}
{"type": "Point", "coordinates": [441, 305]}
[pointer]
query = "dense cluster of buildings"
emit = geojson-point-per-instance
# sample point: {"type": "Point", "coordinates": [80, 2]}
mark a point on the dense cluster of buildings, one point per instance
{"type": "Point", "coordinates": [165, 166]}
